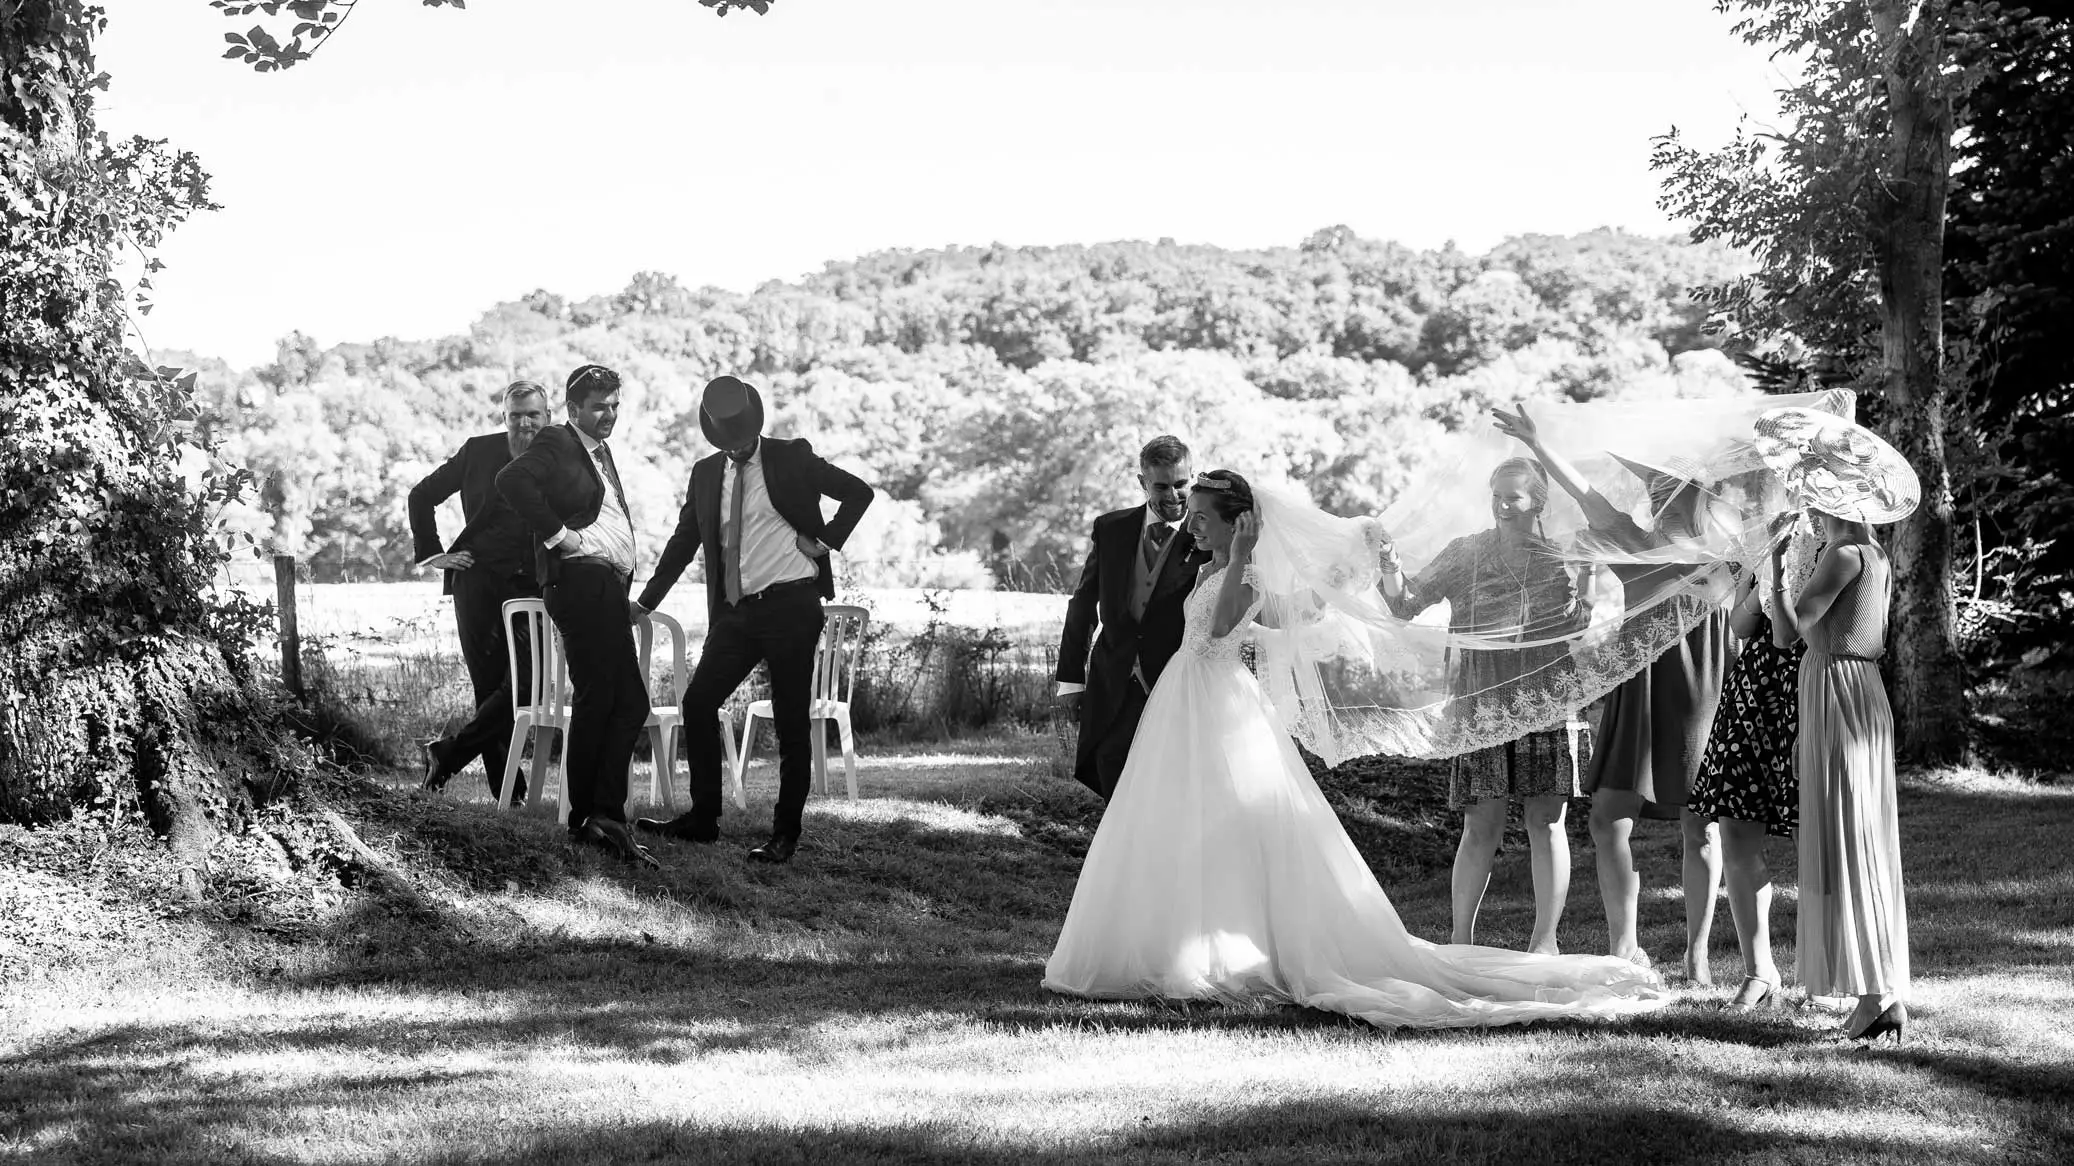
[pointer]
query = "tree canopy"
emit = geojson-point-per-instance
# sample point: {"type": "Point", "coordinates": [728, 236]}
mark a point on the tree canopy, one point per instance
{"type": "Point", "coordinates": [998, 395]}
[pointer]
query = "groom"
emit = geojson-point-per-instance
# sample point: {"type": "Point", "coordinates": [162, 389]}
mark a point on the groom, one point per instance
{"type": "Point", "coordinates": [1139, 570]}
{"type": "Point", "coordinates": [754, 508]}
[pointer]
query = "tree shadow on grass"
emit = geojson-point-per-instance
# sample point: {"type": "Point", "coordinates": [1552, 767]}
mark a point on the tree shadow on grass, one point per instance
{"type": "Point", "coordinates": [173, 1118]}
{"type": "Point", "coordinates": [1298, 1132]}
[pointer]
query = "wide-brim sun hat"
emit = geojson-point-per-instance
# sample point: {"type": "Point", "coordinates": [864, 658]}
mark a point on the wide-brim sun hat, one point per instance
{"type": "Point", "coordinates": [1837, 466]}
{"type": "Point", "coordinates": [730, 413]}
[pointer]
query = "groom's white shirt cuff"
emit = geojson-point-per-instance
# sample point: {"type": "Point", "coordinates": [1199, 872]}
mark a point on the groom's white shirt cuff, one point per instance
{"type": "Point", "coordinates": [1068, 688]}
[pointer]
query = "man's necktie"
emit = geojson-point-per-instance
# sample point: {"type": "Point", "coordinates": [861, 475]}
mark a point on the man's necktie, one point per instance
{"type": "Point", "coordinates": [731, 536]}
{"type": "Point", "coordinates": [1156, 536]}
{"type": "Point", "coordinates": [612, 477]}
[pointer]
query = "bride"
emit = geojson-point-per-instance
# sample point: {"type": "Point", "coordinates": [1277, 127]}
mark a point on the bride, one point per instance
{"type": "Point", "coordinates": [1220, 873]}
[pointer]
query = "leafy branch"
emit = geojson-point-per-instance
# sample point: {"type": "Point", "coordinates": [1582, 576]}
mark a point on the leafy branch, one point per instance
{"type": "Point", "coordinates": [316, 20]}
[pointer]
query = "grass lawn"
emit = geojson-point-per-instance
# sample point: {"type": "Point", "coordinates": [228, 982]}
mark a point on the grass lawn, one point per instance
{"type": "Point", "coordinates": [878, 1000]}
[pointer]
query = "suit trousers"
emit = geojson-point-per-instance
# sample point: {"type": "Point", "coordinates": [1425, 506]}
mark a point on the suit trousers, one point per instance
{"type": "Point", "coordinates": [1114, 749]}
{"type": "Point", "coordinates": [609, 700]}
{"type": "Point", "coordinates": [479, 598]}
{"type": "Point", "coordinates": [780, 632]}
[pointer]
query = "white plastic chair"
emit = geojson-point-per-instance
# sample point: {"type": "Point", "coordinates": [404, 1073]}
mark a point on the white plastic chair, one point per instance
{"type": "Point", "coordinates": [542, 706]}
{"type": "Point", "coordinates": [665, 721]}
{"type": "Point", "coordinates": [835, 676]}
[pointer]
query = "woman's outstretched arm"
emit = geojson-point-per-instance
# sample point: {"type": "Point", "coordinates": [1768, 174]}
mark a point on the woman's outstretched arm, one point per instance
{"type": "Point", "coordinates": [1598, 512]}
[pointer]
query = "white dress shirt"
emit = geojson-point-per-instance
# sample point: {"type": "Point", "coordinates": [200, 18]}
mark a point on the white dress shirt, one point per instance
{"type": "Point", "coordinates": [611, 537]}
{"type": "Point", "coordinates": [770, 551]}
{"type": "Point", "coordinates": [1067, 687]}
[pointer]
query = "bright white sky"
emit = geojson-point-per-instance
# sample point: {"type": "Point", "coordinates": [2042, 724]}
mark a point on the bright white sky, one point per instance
{"type": "Point", "coordinates": [430, 162]}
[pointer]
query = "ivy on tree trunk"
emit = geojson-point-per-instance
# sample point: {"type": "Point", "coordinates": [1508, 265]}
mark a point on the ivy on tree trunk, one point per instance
{"type": "Point", "coordinates": [117, 689]}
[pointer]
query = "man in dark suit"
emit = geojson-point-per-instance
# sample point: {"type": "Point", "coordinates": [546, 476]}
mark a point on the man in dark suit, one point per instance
{"type": "Point", "coordinates": [754, 508]}
{"type": "Point", "coordinates": [1133, 585]}
{"type": "Point", "coordinates": [567, 490]}
{"type": "Point", "coordinates": [489, 562]}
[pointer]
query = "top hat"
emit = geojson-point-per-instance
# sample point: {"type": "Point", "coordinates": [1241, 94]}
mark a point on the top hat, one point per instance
{"type": "Point", "coordinates": [730, 413]}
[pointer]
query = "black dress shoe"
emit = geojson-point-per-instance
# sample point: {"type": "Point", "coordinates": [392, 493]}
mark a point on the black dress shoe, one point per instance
{"type": "Point", "coordinates": [614, 839]}
{"type": "Point", "coordinates": [683, 827]}
{"type": "Point", "coordinates": [436, 772]}
{"type": "Point", "coordinates": [778, 849]}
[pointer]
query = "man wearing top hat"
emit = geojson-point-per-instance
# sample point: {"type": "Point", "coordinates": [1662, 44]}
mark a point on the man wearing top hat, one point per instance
{"type": "Point", "coordinates": [755, 509]}
{"type": "Point", "coordinates": [566, 487]}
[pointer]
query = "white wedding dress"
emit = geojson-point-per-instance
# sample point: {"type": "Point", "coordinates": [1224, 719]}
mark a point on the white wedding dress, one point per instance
{"type": "Point", "coordinates": [1220, 873]}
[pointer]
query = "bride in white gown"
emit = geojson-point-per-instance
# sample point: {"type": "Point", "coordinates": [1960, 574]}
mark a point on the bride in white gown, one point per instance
{"type": "Point", "coordinates": [1219, 871]}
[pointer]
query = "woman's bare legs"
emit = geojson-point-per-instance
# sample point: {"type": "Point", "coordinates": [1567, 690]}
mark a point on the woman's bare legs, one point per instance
{"type": "Point", "coordinates": [1483, 829]}
{"type": "Point", "coordinates": [1702, 882]}
{"type": "Point", "coordinates": [1550, 848]}
{"type": "Point", "coordinates": [1612, 823]}
{"type": "Point", "coordinates": [1750, 905]}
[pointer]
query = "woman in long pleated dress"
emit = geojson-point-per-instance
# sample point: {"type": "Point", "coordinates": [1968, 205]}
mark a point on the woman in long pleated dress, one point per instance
{"type": "Point", "coordinates": [1852, 938]}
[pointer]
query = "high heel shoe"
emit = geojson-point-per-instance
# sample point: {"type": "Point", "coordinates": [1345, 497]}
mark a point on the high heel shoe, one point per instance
{"type": "Point", "coordinates": [1893, 1018]}
{"type": "Point", "coordinates": [1754, 994]}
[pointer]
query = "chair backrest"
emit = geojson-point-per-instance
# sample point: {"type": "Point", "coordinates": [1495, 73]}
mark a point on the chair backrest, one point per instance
{"type": "Point", "coordinates": [546, 672]}
{"type": "Point", "coordinates": [842, 642]}
{"type": "Point", "coordinates": [644, 635]}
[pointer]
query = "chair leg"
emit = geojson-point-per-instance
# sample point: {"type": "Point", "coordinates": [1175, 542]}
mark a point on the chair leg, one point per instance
{"type": "Point", "coordinates": [668, 733]}
{"type": "Point", "coordinates": [659, 774]}
{"type": "Point", "coordinates": [521, 728]}
{"type": "Point", "coordinates": [820, 743]}
{"type": "Point", "coordinates": [543, 738]}
{"type": "Point", "coordinates": [849, 742]}
{"type": "Point", "coordinates": [562, 790]}
{"type": "Point", "coordinates": [732, 758]}
{"type": "Point", "coordinates": [742, 757]}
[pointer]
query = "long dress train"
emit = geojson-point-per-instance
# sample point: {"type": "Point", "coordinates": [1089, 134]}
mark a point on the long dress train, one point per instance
{"type": "Point", "coordinates": [1219, 872]}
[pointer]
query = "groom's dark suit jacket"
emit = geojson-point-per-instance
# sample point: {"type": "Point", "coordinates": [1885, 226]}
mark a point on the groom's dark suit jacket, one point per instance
{"type": "Point", "coordinates": [796, 478]}
{"type": "Point", "coordinates": [1103, 598]}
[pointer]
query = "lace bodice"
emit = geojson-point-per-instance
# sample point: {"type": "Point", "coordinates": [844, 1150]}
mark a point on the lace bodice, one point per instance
{"type": "Point", "coordinates": [1201, 611]}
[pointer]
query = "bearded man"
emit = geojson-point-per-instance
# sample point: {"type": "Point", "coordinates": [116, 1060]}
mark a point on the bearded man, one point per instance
{"type": "Point", "coordinates": [489, 562]}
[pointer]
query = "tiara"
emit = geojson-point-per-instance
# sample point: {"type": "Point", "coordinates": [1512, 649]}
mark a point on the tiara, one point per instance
{"type": "Point", "coordinates": [1206, 482]}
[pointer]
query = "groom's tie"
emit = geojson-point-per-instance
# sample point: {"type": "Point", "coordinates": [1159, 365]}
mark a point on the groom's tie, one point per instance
{"type": "Point", "coordinates": [1156, 536]}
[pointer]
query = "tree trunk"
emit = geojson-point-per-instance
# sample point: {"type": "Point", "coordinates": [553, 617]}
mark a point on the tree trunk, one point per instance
{"type": "Point", "coordinates": [1907, 209]}
{"type": "Point", "coordinates": [114, 690]}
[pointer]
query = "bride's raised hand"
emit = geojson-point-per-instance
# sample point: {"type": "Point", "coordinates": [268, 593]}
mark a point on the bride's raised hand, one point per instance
{"type": "Point", "coordinates": [1245, 533]}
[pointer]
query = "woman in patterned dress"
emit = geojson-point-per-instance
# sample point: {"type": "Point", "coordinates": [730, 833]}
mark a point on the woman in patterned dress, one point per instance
{"type": "Point", "coordinates": [1506, 581]}
{"type": "Point", "coordinates": [1746, 779]}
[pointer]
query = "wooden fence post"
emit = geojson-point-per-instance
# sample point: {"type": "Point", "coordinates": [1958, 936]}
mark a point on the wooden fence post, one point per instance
{"type": "Point", "coordinates": [291, 640]}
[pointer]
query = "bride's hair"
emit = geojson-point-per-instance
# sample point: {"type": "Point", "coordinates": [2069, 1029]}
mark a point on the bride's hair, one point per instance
{"type": "Point", "coordinates": [1230, 494]}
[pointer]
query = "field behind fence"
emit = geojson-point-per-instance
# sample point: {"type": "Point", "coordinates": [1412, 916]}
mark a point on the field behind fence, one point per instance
{"type": "Point", "coordinates": [382, 659]}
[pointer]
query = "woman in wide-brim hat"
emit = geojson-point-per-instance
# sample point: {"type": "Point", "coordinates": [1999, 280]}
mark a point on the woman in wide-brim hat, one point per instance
{"type": "Point", "coordinates": [1852, 931]}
